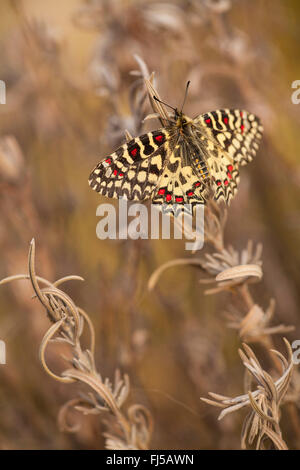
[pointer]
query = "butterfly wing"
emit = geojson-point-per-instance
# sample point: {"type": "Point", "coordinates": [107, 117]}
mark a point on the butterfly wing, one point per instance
{"type": "Point", "coordinates": [150, 166]}
{"type": "Point", "coordinates": [176, 170]}
{"type": "Point", "coordinates": [229, 138]}
{"type": "Point", "coordinates": [180, 187]}
{"type": "Point", "coordinates": [133, 170]}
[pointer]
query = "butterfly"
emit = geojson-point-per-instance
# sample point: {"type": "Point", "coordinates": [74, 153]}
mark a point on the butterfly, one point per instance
{"type": "Point", "coordinates": [180, 165]}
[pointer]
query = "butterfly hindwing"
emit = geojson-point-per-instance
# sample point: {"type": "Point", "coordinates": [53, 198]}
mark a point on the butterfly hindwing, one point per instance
{"type": "Point", "coordinates": [179, 187]}
{"type": "Point", "coordinates": [225, 179]}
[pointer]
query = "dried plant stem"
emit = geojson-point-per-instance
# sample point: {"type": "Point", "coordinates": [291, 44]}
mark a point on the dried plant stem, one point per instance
{"type": "Point", "coordinates": [126, 431]}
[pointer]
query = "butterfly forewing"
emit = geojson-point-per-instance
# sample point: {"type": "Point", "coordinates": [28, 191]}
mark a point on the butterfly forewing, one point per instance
{"type": "Point", "coordinates": [132, 171]}
{"type": "Point", "coordinates": [237, 132]}
{"type": "Point", "coordinates": [230, 138]}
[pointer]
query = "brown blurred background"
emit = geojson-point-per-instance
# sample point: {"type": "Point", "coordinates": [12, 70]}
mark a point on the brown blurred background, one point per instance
{"type": "Point", "coordinates": [67, 68]}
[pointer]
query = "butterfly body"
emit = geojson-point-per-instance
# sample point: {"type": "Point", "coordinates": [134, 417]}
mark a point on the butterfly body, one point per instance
{"type": "Point", "coordinates": [180, 164]}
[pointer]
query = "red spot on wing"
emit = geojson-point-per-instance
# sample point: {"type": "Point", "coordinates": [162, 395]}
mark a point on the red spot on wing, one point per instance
{"type": "Point", "coordinates": [218, 183]}
{"type": "Point", "coordinates": [179, 199]}
{"type": "Point", "coordinates": [133, 152]}
{"type": "Point", "coordinates": [225, 120]}
{"type": "Point", "coordinates": [115, 172]}
{"type": "Point", "coordinates": [229, 175]}
{"type": "Point", "coordinates": [168, 197]}
{"type": "Point", "coordinates": [230, 168]}
{"type": "Point", "coordinates": [208, 121]}
{"type": "Point", "coordinates": [121, 174]}
{"type": "Point", "coordinates": [242, 128]}
{"type": "Point", "coordinates": [197, 184]}
{"type": "Point", "coordinates": [159, 138]}
{"type": "Point", "coordinates": [226, 182]}
{"type": "Point", "coordinates": [190, 193]}
{"type": "Point", "coordinates": [161, 191]}
{"type": "Point", "coordinates": [108, 160]}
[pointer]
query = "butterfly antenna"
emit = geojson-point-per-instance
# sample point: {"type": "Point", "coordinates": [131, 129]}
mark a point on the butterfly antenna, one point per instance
{"type": "Point", "coordinates": [185, 94]}
{"type": "Point", "coordinates": [162, 102]}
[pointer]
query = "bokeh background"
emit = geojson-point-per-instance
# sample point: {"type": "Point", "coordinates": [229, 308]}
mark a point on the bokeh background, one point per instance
{"type": "Point", "coordinates": [70, 96]}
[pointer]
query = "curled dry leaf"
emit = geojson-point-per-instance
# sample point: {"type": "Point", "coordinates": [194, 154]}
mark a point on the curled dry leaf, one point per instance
{"type": "Point", "coordinates": [176, 262]}
{"type": "Point", "coordinates": [238, 272]}
{"type": "Point", "coordinates": [261, 426]}
{"type": "Point", "coordinates": [255, 325]}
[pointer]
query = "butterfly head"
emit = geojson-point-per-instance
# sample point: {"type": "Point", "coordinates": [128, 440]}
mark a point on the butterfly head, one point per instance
{"type": "Point", "coordinates": [182, 120]}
